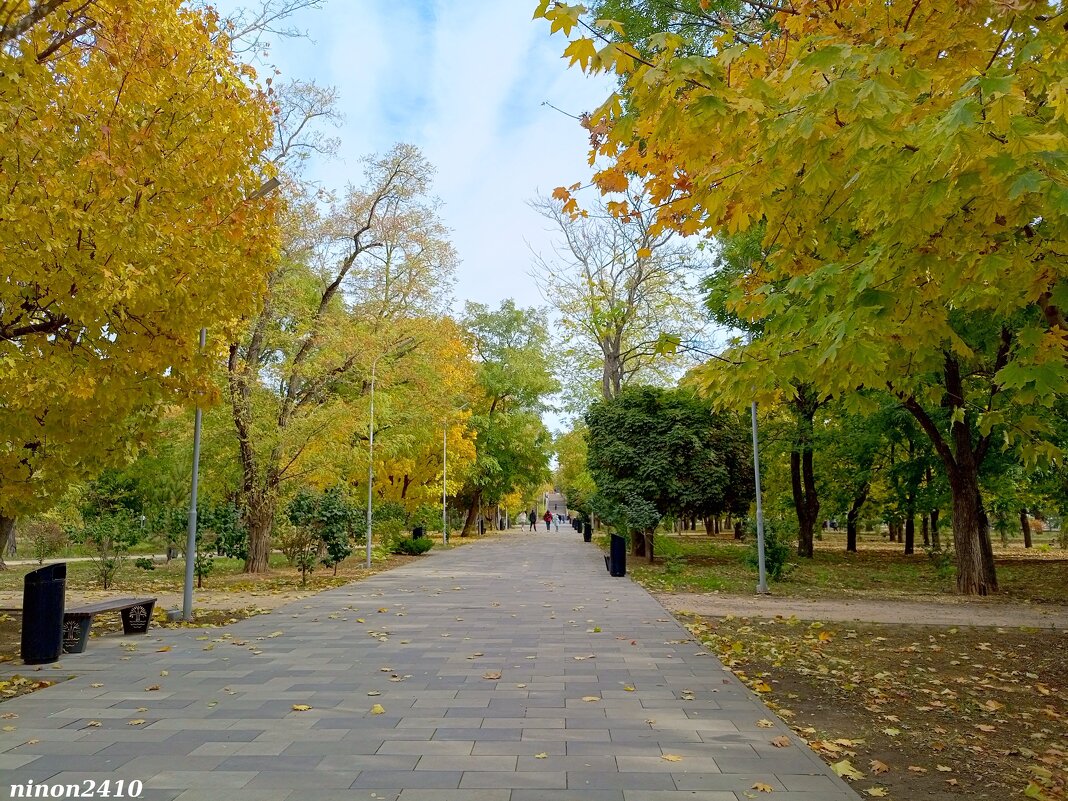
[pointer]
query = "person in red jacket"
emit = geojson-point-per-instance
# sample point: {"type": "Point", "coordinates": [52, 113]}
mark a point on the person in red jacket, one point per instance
{"type": "Point", "coordinates": [548, 518]}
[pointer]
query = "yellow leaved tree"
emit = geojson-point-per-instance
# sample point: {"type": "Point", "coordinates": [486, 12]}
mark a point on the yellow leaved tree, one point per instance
{"type": "Point", "coordinates": [905, 166]}
{"type": "Point", "coordinates": [131, 146]}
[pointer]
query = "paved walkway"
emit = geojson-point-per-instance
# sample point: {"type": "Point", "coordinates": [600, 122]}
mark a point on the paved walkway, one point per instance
{"type": "Point", "coordinates": [510, 670]}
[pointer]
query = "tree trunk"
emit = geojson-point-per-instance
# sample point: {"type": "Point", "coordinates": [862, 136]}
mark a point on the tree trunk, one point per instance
{"type": "Point", "coordinates": [7, 532]}
{"type": "Point", "coordinates": [910, 522]}
{"type": "Point", "coordinates": [709, 527]}
{"type": "Point", "coordinates": [259, 520]}
{"type": "Point", "coordinates": [802, 477]}
{"type": "Point", "coordinates": [936, 539]}
{"type": "Point", "coordinates": [1025, 527]}
{"type": "Point", "coordinates": [925, 526]}
{"type": "Point", "coordinates": [973, 576]}
{"type": "Point", "coordinates": [472, 516]}
{"type": "Point", "coordinates": [637, 543]}
{"type": "Point", "coordinates": [648, 536]}
{"type": "Point", "coordinates": [806, 504]}
{"type": "Point", "coordinates": [853, 515]}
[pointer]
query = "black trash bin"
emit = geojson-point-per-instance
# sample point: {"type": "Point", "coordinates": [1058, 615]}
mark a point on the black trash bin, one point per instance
{"type": "Point", "coordinates": [418, 532]}
{"type": "Point", "coordinates": [618, 556]}
{"type": "Point", "coordinates": [43, 592]}
{"type": "Point", "coordinates": [587, 532]}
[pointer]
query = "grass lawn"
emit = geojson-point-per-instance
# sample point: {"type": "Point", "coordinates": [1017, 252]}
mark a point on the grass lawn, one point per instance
{"type": "Point", "coordinates": [692, 563]}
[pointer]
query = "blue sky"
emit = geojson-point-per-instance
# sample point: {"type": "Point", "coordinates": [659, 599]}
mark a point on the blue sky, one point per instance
{"type": "Point", "coordinates": [466, 82]}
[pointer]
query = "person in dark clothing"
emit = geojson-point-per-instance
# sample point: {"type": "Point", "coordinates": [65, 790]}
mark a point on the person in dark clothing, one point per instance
{"type": "Point", "coordinates": [534, 520]}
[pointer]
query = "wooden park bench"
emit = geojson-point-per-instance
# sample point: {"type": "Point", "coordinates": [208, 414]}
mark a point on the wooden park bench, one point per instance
{"type": "Point", "coordinates": [136, 618]}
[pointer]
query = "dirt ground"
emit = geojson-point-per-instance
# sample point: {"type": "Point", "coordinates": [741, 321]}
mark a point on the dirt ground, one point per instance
{"type": "Point", "coordinates": [953, 611]}
{"type": "Point", "coordinates": [913, 712]}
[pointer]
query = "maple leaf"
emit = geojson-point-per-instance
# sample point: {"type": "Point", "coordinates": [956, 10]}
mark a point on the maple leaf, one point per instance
{"type": "Point", "coordinates": [878, 767]}
{"type": "Point", "coordinates": [876, 792]}
{"type": "Point", "coordinates": [378, 709]}
{"type": "Point", "coordinates": [846, 770]}
{"type": "Point", "coordinates": [671, 757]}
{"type": "Point", "coordinates": [760, 787]}
{"type": "Point", "coordinates": [300, 707]}
{"type": "Point", "coordinates": [781, 742]}
{"type": "Point", "coordinates": [492, 675]}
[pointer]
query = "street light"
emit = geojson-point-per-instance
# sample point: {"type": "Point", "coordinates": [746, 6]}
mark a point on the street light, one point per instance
{"type": "Point", "coordinates": [762, 583]}
{"type": "Point", "coordinates": [265, 189]}
{"type": "Point", "coordinates": [371, 437]}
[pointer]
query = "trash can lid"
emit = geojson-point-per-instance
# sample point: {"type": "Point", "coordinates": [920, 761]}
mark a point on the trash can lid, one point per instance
{"type": "Point", "coordinates": [47, 573]}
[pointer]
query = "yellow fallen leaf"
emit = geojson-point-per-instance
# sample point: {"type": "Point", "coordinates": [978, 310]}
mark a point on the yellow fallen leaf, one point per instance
{"type": "Point", "coordinates": [164, 649]}
{"type": "Point", "coordinates": [878, 767]}
{"type": "Point", "coordinates": [985, 727]}
{"type": "Point", "coordinates": [9, 728]}
{"type": "Point", "coordinates": [671, 757]}
{"type": "Point", "coordinates": [300, 707]}
{"type": "Point", "coordinates": [943, 768]}
{"type": "Point", "coordinates": [917, 769]}
{"type": "Point", "coordinates": [760, 687]}
{"type": "Point", "coordinates": [96, 684]}
{"type": "Point", "coordinates": [892, 732]}
{"type": "Point", "coordinates": [781, 742]}
{"type": "Point", "coordinates": [760, 787]}
{"type": "Point", "coordinates": [628, 688]}
{"type": "Point", "coordinates": [373, 693]}
{"type": "Point", "coordinates": [492, 675]}
{"type": "Point", "coordinates": [591, 698]}
{"type": "Point", "coordinates": [164, 673]}
{"type": "Point", "coordinates": [274, 634]}
{"type": "Point", "coordinates": [94, 723]}
{"type": "Point", "coordinates": [765, 724]}
{"type": "Point", "coordinates": [32, 742]}
{"type": "Point", "coordinates": [542, 755]}
{"type": "Point", "coordinates": [846, 770]}
{"type": "Point", "coordinates": [876, 792]}
{"type": "Point", "coordinates": [360, 620]}
{"type": "Point", "coordinates": [151, 688]}
{"type": "Point", "coordinates": [135, 722]}
{"type": "Point", "coordinates": [378, 709]}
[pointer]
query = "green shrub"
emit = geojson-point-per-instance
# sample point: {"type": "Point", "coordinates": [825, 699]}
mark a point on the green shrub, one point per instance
{"type": "Point", "coordinates": [412, 547]}
{"type": "Point", "coordinates": [145, 563]}
{"type": "Point", "coordinates": [776, 549]}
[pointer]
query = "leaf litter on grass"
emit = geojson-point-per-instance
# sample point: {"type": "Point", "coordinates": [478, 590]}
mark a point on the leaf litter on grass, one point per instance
{"type": "Point", "coordinates": [919, 706]}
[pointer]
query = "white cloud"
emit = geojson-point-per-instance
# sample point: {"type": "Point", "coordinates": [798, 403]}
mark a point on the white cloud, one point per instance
{"type": "Point", "coordinates": [465, 82]}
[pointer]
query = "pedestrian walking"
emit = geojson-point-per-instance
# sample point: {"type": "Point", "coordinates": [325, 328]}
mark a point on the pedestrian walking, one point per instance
{"type": "Point", "coordinates": [534, 520]}
{"type": "Point", "coordinates": [548, 518]}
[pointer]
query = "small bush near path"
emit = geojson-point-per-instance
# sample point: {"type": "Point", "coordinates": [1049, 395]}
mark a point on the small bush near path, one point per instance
{"type": "Point", "coordinates": [913, 712]}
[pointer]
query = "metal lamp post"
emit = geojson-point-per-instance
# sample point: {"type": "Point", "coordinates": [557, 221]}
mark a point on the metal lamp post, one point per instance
{"type": "Point", "coordinates": [191, 531]}
{"type": "Point", "coordinates": [371, 438]}
{"type": "Point", "coordinates": [762, 584]}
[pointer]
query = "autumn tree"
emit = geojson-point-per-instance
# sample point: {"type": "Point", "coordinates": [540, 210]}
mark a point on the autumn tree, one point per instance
{"type": "Point", "coordinates": [351, 279]}
{"type": "Point", "coordinates": [904, 165]}
{"type": "Point", "coordinates": [654, 452]}
{"type": "Point", "coordinates": [619, 285]}
{"type": "Point", "coordinates": [132, 145]}
{"type": "Point", "coordinates": [510, 346]}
